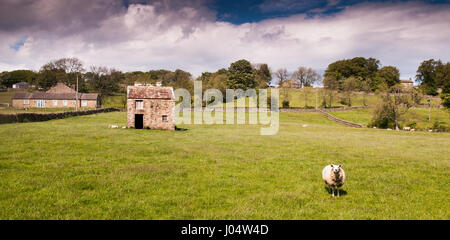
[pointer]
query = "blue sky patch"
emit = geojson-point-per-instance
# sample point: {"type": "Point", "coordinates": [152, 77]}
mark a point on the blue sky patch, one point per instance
{"type": "Point", "coordinates": [16, 46]}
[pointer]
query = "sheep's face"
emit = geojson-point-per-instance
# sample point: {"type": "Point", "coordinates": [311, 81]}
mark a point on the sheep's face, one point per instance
{"type": "Point", "coordinates": [336, 168]}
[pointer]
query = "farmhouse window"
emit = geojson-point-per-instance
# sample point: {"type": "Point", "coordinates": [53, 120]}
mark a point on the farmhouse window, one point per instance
{"type": "Point", "coordinates": [164, 118]}
{"type": "Point", "coordinates": [26, 101]}
{"type": "Point", "coordinates": [139, 104]}
{"type": "Point", "coordinates": [55, 103]}
{"type": "Point", "coordinates": [64, 103]}
{"type": "Point", "coordinates": [84, 103]}
{"type": "Point", "coordinates": [74, 102]}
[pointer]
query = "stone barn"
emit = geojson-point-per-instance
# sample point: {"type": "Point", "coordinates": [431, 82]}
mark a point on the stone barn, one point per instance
{"type": "Point", "coordinates": [150, 107]}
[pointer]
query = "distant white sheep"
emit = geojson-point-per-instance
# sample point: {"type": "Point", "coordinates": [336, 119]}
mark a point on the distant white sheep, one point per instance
{"type": "Point", "coordinates": [334, 177]}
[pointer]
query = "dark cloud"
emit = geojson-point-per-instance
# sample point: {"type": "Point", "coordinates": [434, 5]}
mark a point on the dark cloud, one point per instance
{"type": "Point", "coordinates": [69, 16]}
{"type": "Point", "coordinates": [56, 15]}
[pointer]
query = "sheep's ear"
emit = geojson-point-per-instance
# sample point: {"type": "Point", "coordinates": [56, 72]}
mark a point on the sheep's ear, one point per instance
{"type": "Point", "coordinates": [331, 165]}
{"type": "Point", "coordinates": [340, 166]}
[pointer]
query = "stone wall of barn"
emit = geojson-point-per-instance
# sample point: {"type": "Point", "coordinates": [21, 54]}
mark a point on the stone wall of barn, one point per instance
{"type": "Point", "coordinates": [153, 111]}
{"type": "Point", "coordinates": [20, 103]}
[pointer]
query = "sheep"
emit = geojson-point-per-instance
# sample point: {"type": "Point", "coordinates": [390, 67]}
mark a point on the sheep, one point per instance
{"type": "Point", "coordinates": [334, 177]}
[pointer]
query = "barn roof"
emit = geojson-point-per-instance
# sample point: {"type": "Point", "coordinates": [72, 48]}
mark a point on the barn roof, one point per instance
{"type": "Point", "coordinates": [55, 96]}
{"type": "Point", "coordinates": [150, 92]}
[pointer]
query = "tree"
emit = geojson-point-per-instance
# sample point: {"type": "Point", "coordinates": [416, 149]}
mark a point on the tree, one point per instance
{"type": "Point", "coordinates": [104, 80]}
{"type": "Point", "coordinates": [241, 75]}
{"type": "Point", "coordinates": [365, 88]}
{"type": "Point", "coordinates": [361, 68]}
{"type": "Point", "coordinates": [350, 85]}
{"type": "Point", "coordinates": [10, 78]}
{"type": "Point", "coordinates": [393, 106]}
{"type": "Point", "coordinates": [330, 84]}
{"type": "Point", "coordinates": [49, 75]}
{"type": "Point", "coordinates": [427, 76]}
{"type": "Point", "coordinates": [263, 75]}
{"type": "Point", "coordinates": [282, 75]}
{"type": "Point", "coordinates": [445, 95]}
{"type": "Point", "coordinates": [65, 70]}
{"type": "Point", "coordinates": [306, 77]}
{"type": "Point", "coordinates": [390, 75]}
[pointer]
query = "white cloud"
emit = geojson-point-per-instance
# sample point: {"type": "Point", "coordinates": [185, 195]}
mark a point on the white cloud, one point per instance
{"type": "Point", "coordinates": [142, 38]}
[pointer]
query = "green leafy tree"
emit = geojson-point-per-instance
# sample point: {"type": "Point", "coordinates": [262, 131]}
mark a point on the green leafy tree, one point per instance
{"type": "Point", "coordinates": [393, 106]}
{"type": "Point", "coordinates": [10, 78]}
{"type": "Point", "coordinates": [104, 80]}
{"type": "Point", "coordinates": [263, 75]}
{"type": "Point", "coordinates": [390, 75]}
{"type": "Point", "coordinates": [361, 68]}
{"type": "Point", "coordinates": [432, 75]}
{"type": "Point", "coordinates": [241, 75]}
{"type": "Point", "coordinates": [65, 70]}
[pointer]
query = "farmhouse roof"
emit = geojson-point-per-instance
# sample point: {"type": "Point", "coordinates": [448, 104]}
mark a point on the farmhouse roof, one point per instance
{"type": "Point", "coordinates": [58, 92]}
{"type": "Point", "coordinates": [55, 96]}
{"type": "Point", "coordinates": [406, 81]}
{"type": "Point", "coordinates": [150, 92]}
{"type": "Point", "coordinates": [60, 88]}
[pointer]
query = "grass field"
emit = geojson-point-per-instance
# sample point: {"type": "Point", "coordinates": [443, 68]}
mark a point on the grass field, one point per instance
{"type": "Point", "coordinates": [77, 168]}
{"type": "Point", "coordinates": [417, 115]}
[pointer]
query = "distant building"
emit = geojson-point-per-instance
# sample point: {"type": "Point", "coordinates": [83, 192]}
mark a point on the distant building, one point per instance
{"type": "Point", "coordinates": [59, 96]}
{"type": "Point", "coordinates": [150, 107]}
{"type": "Point", "coordinates": [290, 84]}
{"type": "Point", "coordinates": [407, 83]}
{"type": "Point", "coordinates": [21, 85]}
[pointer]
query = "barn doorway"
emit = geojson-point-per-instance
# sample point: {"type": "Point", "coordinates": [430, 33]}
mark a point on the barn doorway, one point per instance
{"type": "Point", "coordinates": [139, 121]}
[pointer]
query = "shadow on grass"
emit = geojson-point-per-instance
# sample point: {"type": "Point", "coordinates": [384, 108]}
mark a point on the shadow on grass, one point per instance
{"type": "Point", "coordinates": [180, 129]}
{"type": "Point", "coordinates": [341, 191]}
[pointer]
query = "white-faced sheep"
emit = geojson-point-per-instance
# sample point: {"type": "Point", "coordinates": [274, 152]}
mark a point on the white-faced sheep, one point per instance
{"type": "Point", "coordinates": [334, 177]}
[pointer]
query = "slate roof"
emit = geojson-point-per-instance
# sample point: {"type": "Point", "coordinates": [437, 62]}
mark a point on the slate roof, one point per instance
{"type": "Point", "coordinates": [149, 92]}
{"type": "Point", "coordinates": [55, 96]}
{"type": "Point", "coordinates": [61, 88]}
{"type": "Point", "coordinates": [58, 92]}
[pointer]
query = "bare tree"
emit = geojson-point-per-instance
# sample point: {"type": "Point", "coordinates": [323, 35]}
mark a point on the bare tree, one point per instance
{"type": "Point", "coordinates": [69, 65]}
{"type": "Point", "coordinates": [365, 88]}
{"type": "Point", "coordinates": [330, 84]}
{"type": "Point", "coordinates": [282, 75]}
{"type": "Point", "coordinates": [350, 85]}
{"type": "Point", "coordinates": [306, 77]}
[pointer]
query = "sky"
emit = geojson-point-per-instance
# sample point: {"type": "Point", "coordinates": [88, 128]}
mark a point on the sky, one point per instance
{"type": "Point", "coordinates": [206, 35]}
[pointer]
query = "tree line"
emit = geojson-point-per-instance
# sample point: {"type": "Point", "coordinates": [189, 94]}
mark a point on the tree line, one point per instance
{"type": "Point", "coordinates": [345, 76]}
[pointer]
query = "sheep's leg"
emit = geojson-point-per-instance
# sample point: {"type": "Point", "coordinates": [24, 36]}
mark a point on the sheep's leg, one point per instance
{"type": "Point", "coordinates": [332, 191]}
{"type": "Point", "coordinates": [338, 191]}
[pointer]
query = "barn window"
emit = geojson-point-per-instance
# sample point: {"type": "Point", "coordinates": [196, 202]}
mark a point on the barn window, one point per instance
{"type": "Point", "coordinates": [26, 101]}
{"type": "Point", "coordinates": [139, 104]}
{"type": "Point", "coordinates": [83, 103]}
{"type": "Point", "coordinates": [164, 118]}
